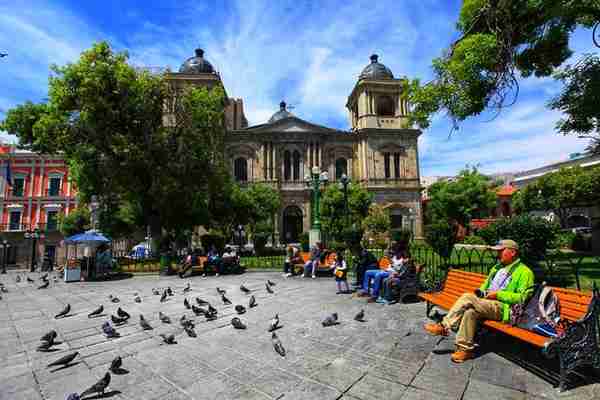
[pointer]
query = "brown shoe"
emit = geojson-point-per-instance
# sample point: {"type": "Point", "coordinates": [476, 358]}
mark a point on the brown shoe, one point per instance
{"type": "Point", "coordinates": [436, 329]}
{"type": "Point", "coordinates": [460, 356]}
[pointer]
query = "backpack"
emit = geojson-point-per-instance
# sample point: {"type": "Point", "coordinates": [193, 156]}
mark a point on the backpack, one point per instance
{"type": "Point", "coordinates": [540, 314]}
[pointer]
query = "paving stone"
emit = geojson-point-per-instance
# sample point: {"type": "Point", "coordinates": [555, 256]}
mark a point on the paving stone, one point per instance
{"type": "Point", "coordinates": [339, 374]}
{"type": "Point", "coordinates": [371, 387]}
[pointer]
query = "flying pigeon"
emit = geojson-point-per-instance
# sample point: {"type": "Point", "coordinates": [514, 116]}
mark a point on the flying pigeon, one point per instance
{"type": "Point", "coordinates": [186, 303]}
{"type": "Point", "coordinates": [98, 387]}
{"type": "Point", "coordinates": [244, 289]}
{"type": "Point", "coordinates": [44, 285]}
{"type": "Point", "coordinates": [144, 324]}
{"type": "Point", "coordinates": [164, 318]}
{"type": "Point", "coordinates": [274, 325]}
{"type": "Point", "coordinates": [96, 312]}
{"type": "Point", "coordinates": [168, 339]}
{"type": "Point", "coordinates": [240, 309]}
{"type": "Point", "coordinates": [115, 365]}
{"type": "Point", "coordinates": [2, 55]}
{"type": "Point", "coordinates": [268, 287]}
{"type": "Point", "coordinates": [30, 280]}
{"type": "Point", "coordinates": [360, 316]}
{"type": "Point", "coordinates": [187, 288]}
{"type": "Point", "coordinates": [190, 330]}
{"type": "Point", "coordinates": [18, 278]}
{"type": "Point", "coordinates": [270, 282]}
{"type": "Point", "coordinates": [277, 345]}
{"type": "Point", "coordinates": [163, 298]}
{"type": "Point", "coordinates": [64, 312]}
{"type": "Point", "coordinates": [330, 320]}
{"type": "Point", "coordinates": [49, 337]}
{"type": "Point", "coordinates": [137, 299]}
{"type": "Point", "coordinates": [109, 331]}
{"type": "Point", "coordinates": [66, 360]}
{"type": "Point", "coordinates": [225, 300]}
{"type": "Point", "coordinates": [122, 313]}
{"type": "Point", "coordinates": [221, 291]}
{"type": "Point", "coordinates": [237, 323]}
{"type": "Point", "coordinates": [117, 320]}
{"type": "Point", "coordinates": [252, 302]}
{"type": "Point", "coordinates": [169, 291]}
{"type": "Point", "coordinates": [201, 302]}
{"type": "Point", "coordinates": [112, 298]}
{"type": "Point", "coordinates": [155, 291]}
{"type": "Point", "coordinates": [198, 310]}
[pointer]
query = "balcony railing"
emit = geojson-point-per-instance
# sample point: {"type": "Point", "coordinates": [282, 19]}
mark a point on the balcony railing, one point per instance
{"type": "Point", "coordinates": [22, 227]}
{"type": "Point", "coordinates": [53, 192]}
{"type": "Point", "coordinates": [17, 193]}
{"type": "Point", "coordinates": [17, 227]}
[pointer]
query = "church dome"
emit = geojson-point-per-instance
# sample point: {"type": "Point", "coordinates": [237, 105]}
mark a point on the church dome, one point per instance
{"type": "Point", "coordinates": [376, 70]}
{"type": "Point", "coordinates": [197, 65]}
{"type": "Point", "coordinates": [281, 114]}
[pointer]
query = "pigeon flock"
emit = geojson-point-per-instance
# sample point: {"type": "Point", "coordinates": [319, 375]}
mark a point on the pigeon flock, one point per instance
{"type": "Point", "coordinates": [201, 308]}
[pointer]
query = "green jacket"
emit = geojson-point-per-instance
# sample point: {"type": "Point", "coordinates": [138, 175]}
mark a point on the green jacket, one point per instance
{"type": "Point", "coordinates": [519, 289]}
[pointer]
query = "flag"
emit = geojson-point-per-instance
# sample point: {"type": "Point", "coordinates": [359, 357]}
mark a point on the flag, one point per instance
{"type": "Point", "coordinates": [8, 175]}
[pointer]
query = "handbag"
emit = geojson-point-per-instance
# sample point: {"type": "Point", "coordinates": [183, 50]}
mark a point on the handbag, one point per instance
{"type": "Point", "coordinates": [339, 273]}
{"type": "Point", "coordinates": [540, 314]}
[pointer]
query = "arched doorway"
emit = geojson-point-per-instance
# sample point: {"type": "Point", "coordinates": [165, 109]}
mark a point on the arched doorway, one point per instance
{"type": "Point", "coordinates": [292, 224]}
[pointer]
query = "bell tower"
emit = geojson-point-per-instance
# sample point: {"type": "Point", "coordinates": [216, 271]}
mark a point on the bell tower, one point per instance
{"type": "Point", "coordinates": [378, 100]}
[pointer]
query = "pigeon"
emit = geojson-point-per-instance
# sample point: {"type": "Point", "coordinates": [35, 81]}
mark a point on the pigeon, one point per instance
{"type": "Point", "coordinates": [186, 303]}
{"type": "Point", "coordinates": [73, 396]}
{"type": "Point", "coordinates": [330, 320]}
{"type": "Point", "coordinates": [117, 320]}
{"type": "Point", "coordinates": [211, 317]}
{"type": "Point", "coordinates": [64, 312]}
{"type": "Point", "coordinates": [237, 323]}
{"type": "Point", "coordinates": [44, 277]}
{"type": "Point", "coordinates": [187, 288]}
{"type": "Point", "coordinates": [244, 289]}
{"type": "Point", "coordinates": [184, 321]}
{"type": "Point", "coordinates": [226, 301]}
{"type": "Point", "coordinates": [163, 298]}
{"type": "Point", "coordinates": [155, 291]}
{"type": "Point", "coordinates": [122, 313]}
{"type": "Point", "coordinates": [190, 331]}
{"type": "Point", "coordinates": [170, 339]}
{"type": "Point", "coordinates": [277, 345]}
{"type": "Point", "coordinates": [169, 291]}
{"type": "Point", "coordinates": [240, 309]}
{"type": "Point", "coordinates": [44, 285]}
{"type": "Point", "coordinates": [98, 387]}
{"type": "Point", "coordinates": [96, 312]}
{"type": "Point", "coordinates": [274, 325]}
{"type": "Point", "coordinates": [115, 365]}
{"type": "Point", "coordinates": [137, 299]}
{"type": "Point", "coordinates": [18, 278]}
{"type": "Point", "coordinates": [55, 279]}
{"type": "Point", "coordinates": [164, 318]}
{"type": "Point", "coordinates": [252, 302]}
{"type": "Point", "coordinates": [268, 288]}
{"type": "Point", "coordinates": [221, 291]}
{"type": "Point", "coordinates": [270, 282]}
{"type": "Point", "coordinates": [3, 289]}
{"type": "Point", "coordinates": [212, 310]}
{"type": "Point", "coordinates": [49, 337]}
{"type": "Point", "coordinates": [198, 310]}
{"type": "Point", "coordinates": [360, 316]}
{"type": "Point", "coordinates": [109, 331]}
{"type": "Point", "coordinates": [114, 299]}
{"type": "Point", "coordinates": [30, 280]}
{"type": "Point", "coordinates": [2, 55]}
{"type": "Point", "coordinates": [144, 324]}
{"type": "Point", "coordinates": [66, 360]}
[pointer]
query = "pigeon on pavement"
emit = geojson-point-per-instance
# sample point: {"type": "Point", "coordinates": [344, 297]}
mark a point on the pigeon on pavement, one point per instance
{"type": "Point", "coordinates": [221, 291]}
{"type": "Point", "coordinates": [164, 318]}
{"type": "Point", "coordinates": [170, 339]}
{"type": "Point", "coordinates": [274, 325]}
{"type": "Point", "coordinates": [270, 282]}
{"type": "Point", "coordinates": [66, 360]}
{"type": "Point", "coordinates": [44, 277]}
{"type": "Point", "coordinates": [115, 365]}
{"type": "Point", "coordinates": [198, 310]}
{"type": "Point", "coordinates": [122, 313]}
{"type": "Point", "coordinates": [330, 320]}
{"type": "Point", "coordinates": [244, 289]}
{"type": "Point", "coordinates": [268, 287]}
{"type": "Point", "coordinates": [109, 331]}
{"type": "Point", "coordinates": [30, 280]}
{"type": "Point", "coordinates": [252, 302]}
{"type": "Point", "coordinates": [44, 285]}
{"type": "Point", "coordinates": [226, 301]}
{"type": "Point", "coordinates": [64, 312]}
{"type": "Point", "coordinates": [360, 316]}
{"type": "Point", "coordinates": [49, 337]}
{"type": "Point", "coordinates": [98, 387]}
{"type": "Point", "coordinates": [96, 312]}
{"type": "Point", "coordinates": [18, 278]}
{"type": "Point", "coordinates": [113, 299]}
{"type": "Point", "coordinates": [137, 299]}
{"type": "Point", "coordinates": [186, 303]}
{"type": "Point", "coordinates": [212, 310]}
{"type": "Point", "coordinates": [163, 298]}
{"type": "Point", "coordinates": [201, 302]}
{"type": "Point", "coordinates": [190, 331]}
{"type": "Point", "coordinates": [117, 320]}
{"type": "Point", "coordinates": [144, 324]}
{"type": "Point", "coordinates": [155, 291]}
{"type": "Point", "coordinates": [187, 288]}
{"type": "Point", "coordinates": [169, 291]}
{"type": "Point", "coordinates": [277, 345]}
{"type": "Point", "coordinates": [240, 309]}
{"type": "Point", "coordinates": [237, 323]}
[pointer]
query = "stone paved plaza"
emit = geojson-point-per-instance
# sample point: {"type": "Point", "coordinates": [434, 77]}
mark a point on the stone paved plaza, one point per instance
{"type": "Point", "coordinates": [387, 357]}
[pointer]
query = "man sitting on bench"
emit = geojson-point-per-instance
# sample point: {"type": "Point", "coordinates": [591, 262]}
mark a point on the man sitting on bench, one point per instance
{"type": "Point", "coordinates": [509, 282]}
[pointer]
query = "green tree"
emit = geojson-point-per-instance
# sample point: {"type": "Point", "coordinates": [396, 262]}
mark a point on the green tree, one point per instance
{"type": "Point", "coordinates": [378, 220]}
{"type": "Point", "coordinates": [130, 137]}
{"type": "Point", "coordinates": [77, 221]}
{"type": "Point", "coordinates": [470, 195]}
{"type": "Point", "coordinates": [333, 214]}
{"type": "Point", "coordinates": [501, 40]}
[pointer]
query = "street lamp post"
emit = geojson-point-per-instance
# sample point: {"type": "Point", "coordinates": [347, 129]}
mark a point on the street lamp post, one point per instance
{"type": "Point", "coordinates": [34, 235]}
{"type": "Point", "coordinates": [5, 247]}
{"type": "Point", "coordinates": [345, 181]}
{"type": "Point", "coordinates": [314, 182]}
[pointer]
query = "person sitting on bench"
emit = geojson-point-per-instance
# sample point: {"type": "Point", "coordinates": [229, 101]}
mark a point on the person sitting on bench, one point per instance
{"type": "Point", "coordinates": [509, 282]}
{"type": "Point", "coordinates": [397, 265]}
{"type": "Point", "coordinates": [311, 265]}
{"type": "Point", "coordinates": [366, 261]}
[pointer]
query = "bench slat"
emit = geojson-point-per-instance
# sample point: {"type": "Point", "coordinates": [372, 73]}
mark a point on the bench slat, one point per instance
{"type": "Point", "coordinates": [523, 334]}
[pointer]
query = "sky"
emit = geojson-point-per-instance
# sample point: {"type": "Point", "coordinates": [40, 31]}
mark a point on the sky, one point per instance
{"type": "Point", "coordinates": [308, 53]}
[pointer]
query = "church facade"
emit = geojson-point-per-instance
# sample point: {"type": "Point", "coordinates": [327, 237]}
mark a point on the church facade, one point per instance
{"type": "Point", "coordinates": [379, 152]}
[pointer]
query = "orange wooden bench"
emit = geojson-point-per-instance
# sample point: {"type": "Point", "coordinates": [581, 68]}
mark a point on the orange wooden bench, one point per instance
{"type": "Point", "coordinates": [578, 347]}
{"type": "Point", "coordinates": [199, 267]}
{"type": "Point", "coordinates": [323, 266]}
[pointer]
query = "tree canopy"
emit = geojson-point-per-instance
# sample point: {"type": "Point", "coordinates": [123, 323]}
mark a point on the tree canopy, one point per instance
{"type": "Point", "coordinates": [502, 40]}
{"type": "Point", "coordinates": [333, 214]}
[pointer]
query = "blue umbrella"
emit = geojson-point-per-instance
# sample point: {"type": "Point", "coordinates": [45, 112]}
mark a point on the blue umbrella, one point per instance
{"type": "Point", "coordinates": [89, 238]}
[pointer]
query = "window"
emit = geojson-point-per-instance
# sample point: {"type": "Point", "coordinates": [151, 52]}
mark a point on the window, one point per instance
{"type": "Point", "coordinates": [296, 165]}
{"type": "Point", "coordinates": [385, 106]}
{"type": "Point", "coordinates": [240, 167]}
{"type": "Point", "coordinates": [51, 220]}
{"type": "Point", "coordinates": [341, 168]}
{"type": "Point", "coordinates": [15, 221]}
{"type": "Point", "coordinates": [386, 165]}
{"type": "Point", "coordinates": [18, 187]}
{"type": "Point", "coordinates": [397, 165]}
{"type": "Point", "coordinates": [287, 165]}
{"type": "Point", "coordinates": [54, 186]}
{"type": "Point", "coordinates": [396, 220]}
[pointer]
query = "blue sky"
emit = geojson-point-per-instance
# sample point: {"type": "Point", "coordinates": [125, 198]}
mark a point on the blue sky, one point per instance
{"type": "Point", "coordinates": [309, 53]}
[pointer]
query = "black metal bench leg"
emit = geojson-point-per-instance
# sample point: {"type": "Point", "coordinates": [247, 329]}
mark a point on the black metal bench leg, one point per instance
{"type": "Point", "coordinates": [562, 386]}
{"type": "Point", "coordinates": [429, 308]}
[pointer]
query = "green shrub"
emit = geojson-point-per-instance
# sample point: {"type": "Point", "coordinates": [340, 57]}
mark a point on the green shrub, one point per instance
{"type": "Point", "coordinates": [564, 240]}
{"type": "Point", "coordinates": [402, 236]}
{"type": "Point", "coordinates": [213, 238]}
{"type": "Point", "coordinates": [533, 234]}
{"type": "Point", "coordinates": [441, 236]}
{"type": "Point", "coordinates": [336, 246]}
{"type": "Point", "coordinates": [304, 242]}
{"type": "Point", "coordinates": [474, 239]}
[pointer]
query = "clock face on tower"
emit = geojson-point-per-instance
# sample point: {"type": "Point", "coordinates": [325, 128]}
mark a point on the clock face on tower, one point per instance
{"type": "Point", "coordinates": [596, 34]}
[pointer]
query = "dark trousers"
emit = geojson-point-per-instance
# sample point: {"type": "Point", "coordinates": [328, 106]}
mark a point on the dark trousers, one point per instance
{"type": "Point", "coordinates": [360, 272]}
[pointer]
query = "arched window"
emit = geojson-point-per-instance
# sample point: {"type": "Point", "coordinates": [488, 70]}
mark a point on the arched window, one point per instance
{"type": "Point", "coordinates": [296, 165]}
{"type": "Point", "coordinates": [240, 169]}
{"type": "Point", "coordinates": [385, 106]}
{"type": "Point", "coordinates": [386, 165]}
{"type": "Point", "coordinates": [287, 165]}
{"type": "Point", "coordinates": [341, 167]}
